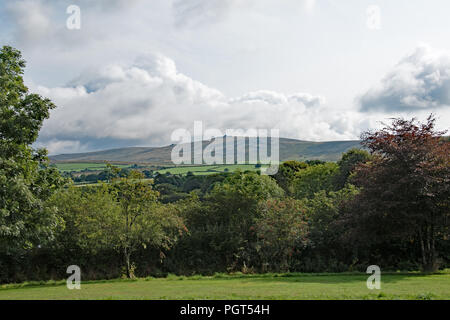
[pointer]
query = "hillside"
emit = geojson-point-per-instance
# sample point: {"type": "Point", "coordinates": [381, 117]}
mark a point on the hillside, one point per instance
{"type": "Point", "coordinates": [290, 149]}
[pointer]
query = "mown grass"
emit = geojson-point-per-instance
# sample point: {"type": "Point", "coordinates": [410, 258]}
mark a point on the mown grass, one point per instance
{"type": "Point", "coordinates": [238, 286]}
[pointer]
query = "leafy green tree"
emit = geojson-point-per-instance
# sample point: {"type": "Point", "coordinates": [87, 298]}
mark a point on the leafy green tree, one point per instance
{"type": "Point", "coordinates": [314, 162]}
{"type": "Point", "coordinates": [281, 229]}
{"type": "Point", "coordinates": [142, 220]}
{"type": "Point", "coordinates": [348, 163]}
{"type": "Point", "coordinates": [91, 217]}
{"type": "Point", "coordinates": [326, 244]}
{"type": "Point", "coordinates": [236, 198]}
{"type": "Point", "coordinates": [229, 211]}
{"type": "Point", "coordinates": [26, 180]}
{"type": "Point", "coordinates": [123, 215]}
{"type": "Point", "coordinates": [314, 179]}
{"type": "Point", "coordinates": [198, 252]}
{"type": "Point", "coordinates": [286, 174]}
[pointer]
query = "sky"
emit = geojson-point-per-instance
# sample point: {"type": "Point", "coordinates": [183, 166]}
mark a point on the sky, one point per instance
{"type": "Point", "coordinates": [320, 70]}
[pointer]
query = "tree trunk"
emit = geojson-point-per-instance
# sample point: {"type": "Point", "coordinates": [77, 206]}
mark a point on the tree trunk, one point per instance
{"type": "Point", "coordinates": [127, 262]}
{"type": "Point", "coordinates": [427, 246]}
{"type": "Point", "coordinates": [422, 249]}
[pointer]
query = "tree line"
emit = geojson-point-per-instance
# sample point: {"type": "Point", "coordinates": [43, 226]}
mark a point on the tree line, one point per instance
{"type": "Point", "coordinates": [386, 204]}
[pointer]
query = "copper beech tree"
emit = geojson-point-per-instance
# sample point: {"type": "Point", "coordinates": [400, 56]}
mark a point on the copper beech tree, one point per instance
{"type": "Point", "coordinates": [405, 188]}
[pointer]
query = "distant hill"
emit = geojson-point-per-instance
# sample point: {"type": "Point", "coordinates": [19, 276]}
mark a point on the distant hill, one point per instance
{"type": "Point", "coordinates": [290, 149]}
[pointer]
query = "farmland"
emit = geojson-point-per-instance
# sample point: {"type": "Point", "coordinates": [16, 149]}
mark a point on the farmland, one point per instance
{"type": "Point", "coordinates": [208, 169]}
{"type": "Point", "coordinates": [88, 166]}
{"type": "Point", "coordinates": [83, 167]}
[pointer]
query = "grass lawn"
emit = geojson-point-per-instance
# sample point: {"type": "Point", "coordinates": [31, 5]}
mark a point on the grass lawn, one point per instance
{"type": "Point", "coordinates": [268, 286]}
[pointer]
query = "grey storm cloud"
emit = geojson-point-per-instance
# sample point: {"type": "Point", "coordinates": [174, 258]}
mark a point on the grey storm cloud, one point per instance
{"type": "Point", "coordinates": [420, 81]}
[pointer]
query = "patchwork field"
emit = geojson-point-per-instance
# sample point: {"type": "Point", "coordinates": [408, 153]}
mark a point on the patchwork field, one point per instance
{"type": "Point", "coordinates": [268, 286]}
{"type": "Point", "coordinates": [197, 170]}
{"type": "Point", "coordinates": [208, 169]}
{"type": "Point", "coordinates": [77, 167]}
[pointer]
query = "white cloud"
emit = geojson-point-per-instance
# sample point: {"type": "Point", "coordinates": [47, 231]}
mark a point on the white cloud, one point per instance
{"type": "Point", "coordinates": [256, 44]}
{"type": "Point", "coordinates": [63, 146]}
{"type": "Point", "coordinates": [420, 81]}
{"type": "Point", "coordinates": [262, 96]}
{"type": "Point", "coordinates": [32, 19]}
{"type": "Point", "coordinates": [194, 12]}
{"type": "Point", "coordinates": [276, 98]}
{"type": "Point", "coordinates": [41, 24]}
{"type": "Point", "coordinates": [198, 12]}
{"type": "Point", "coordinates": [308, 99]}
{"type": "Point", "coordinates": [142, 103]}
{"type": "Point", "coordinates": [309, 5]}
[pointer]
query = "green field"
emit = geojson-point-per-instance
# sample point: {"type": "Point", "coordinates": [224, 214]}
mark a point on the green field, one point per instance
{"type": "Point", "coordinates": [238, 286]}
{"type": "Point", "coordinates": [77, 167]}
{"type": "Point", "coordinates": [209, 169]}
{"type": "Point", "coordinates": [197, 170]}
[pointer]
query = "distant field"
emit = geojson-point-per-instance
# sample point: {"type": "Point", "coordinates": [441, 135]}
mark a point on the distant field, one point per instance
{"type": "Point", "coordinates": [209, 169]}
{"type": "Point", "coordinates": [197, 170]}
{"type": "Point", "coordinates": [269, 286]}
{"type": "Point", "coordinates": [77, 167]}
